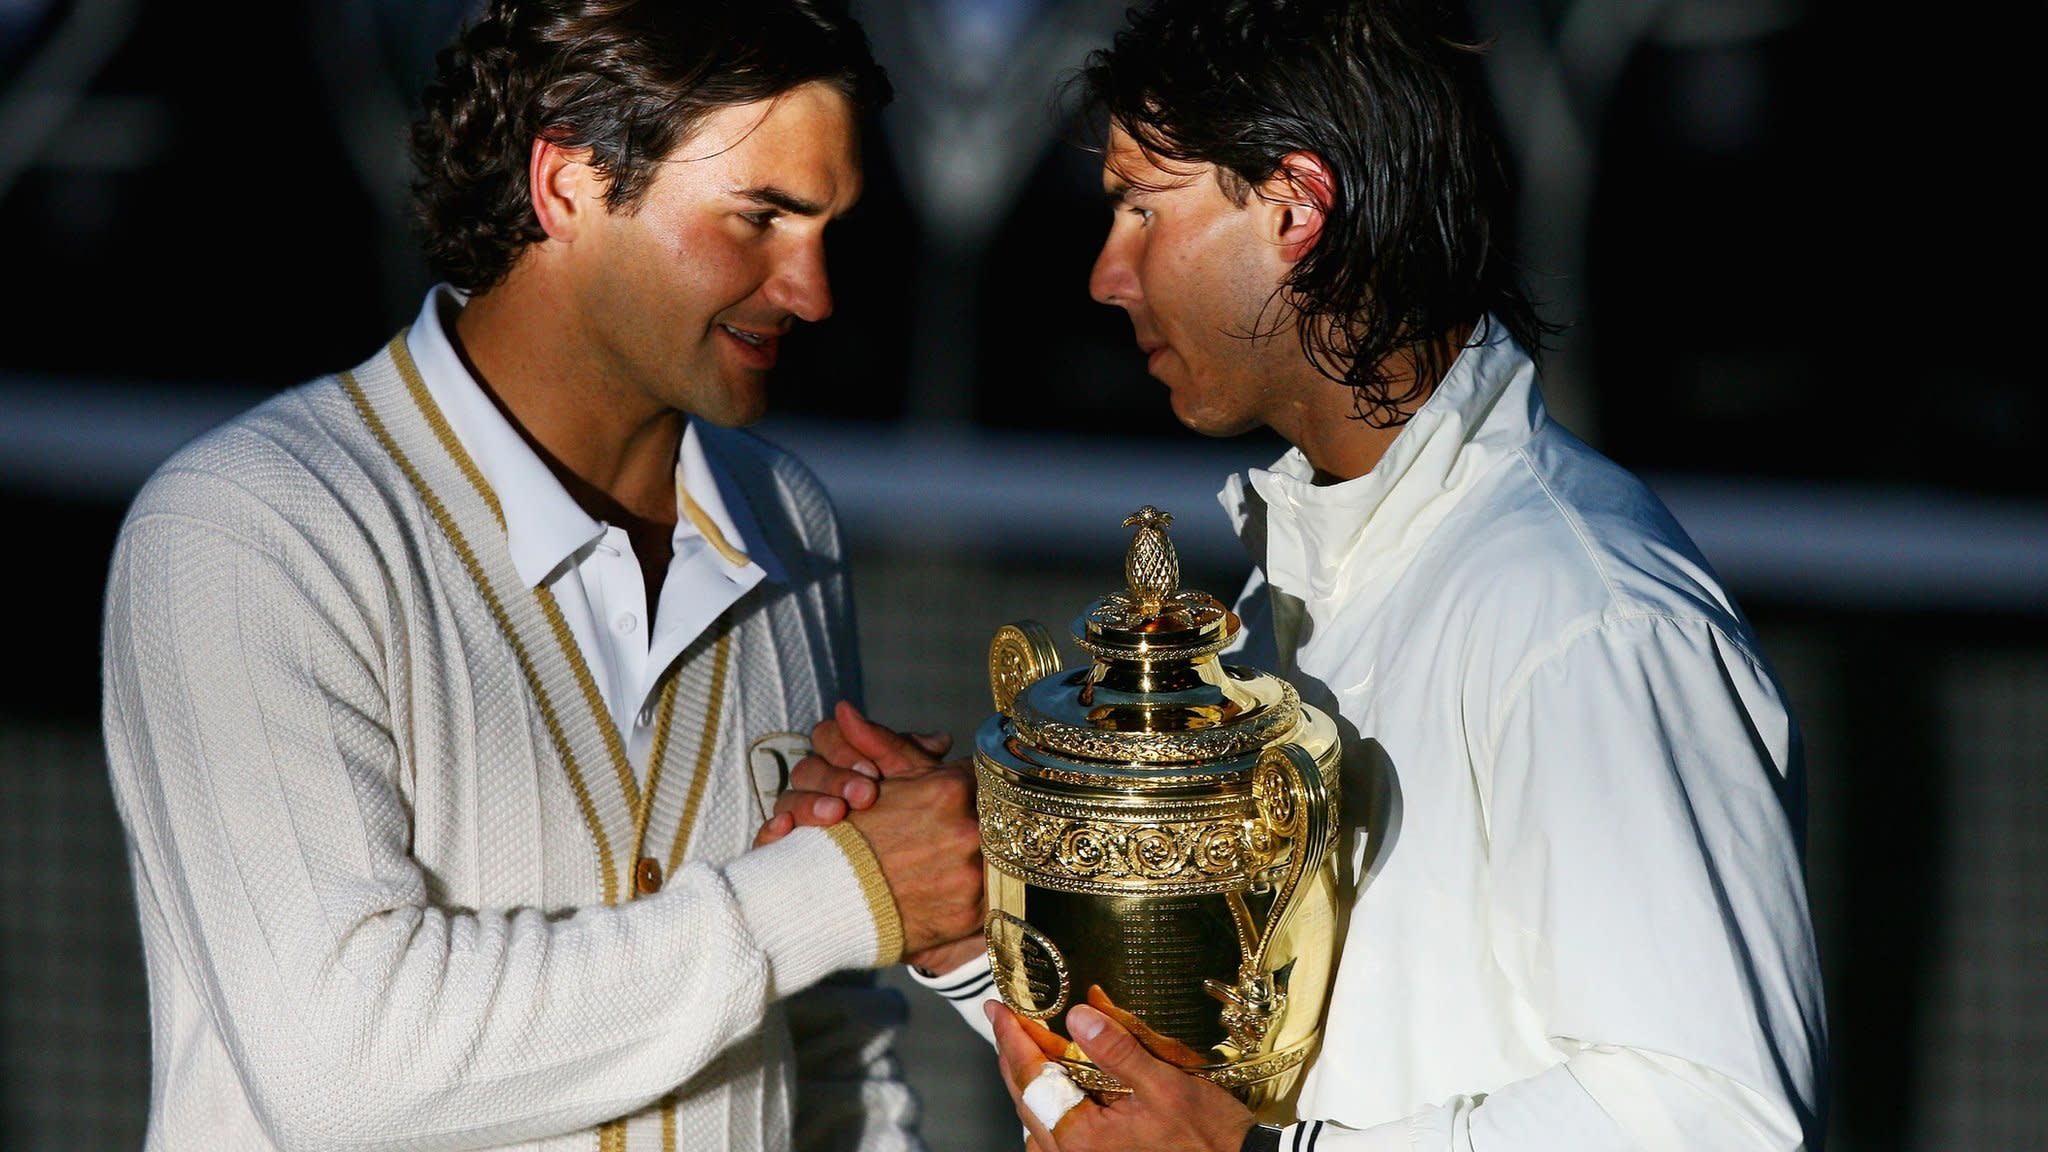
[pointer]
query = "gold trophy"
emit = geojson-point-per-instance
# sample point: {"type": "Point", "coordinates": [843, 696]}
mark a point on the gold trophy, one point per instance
{"type": "Point", "coordinates": [1157, 829]}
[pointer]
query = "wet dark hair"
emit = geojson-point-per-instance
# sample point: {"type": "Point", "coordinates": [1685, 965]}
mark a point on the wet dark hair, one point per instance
{"type": "Point", "coordinates": [628, 79]}
{"type": "Point", "coordinates": [1416, 241]}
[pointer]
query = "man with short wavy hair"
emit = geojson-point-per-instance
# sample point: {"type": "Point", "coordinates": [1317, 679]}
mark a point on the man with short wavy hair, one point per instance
{"type": "Point", "coordinates": [431, 685]}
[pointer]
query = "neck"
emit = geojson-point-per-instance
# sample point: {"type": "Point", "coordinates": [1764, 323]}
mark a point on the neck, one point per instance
{"type": "Point", "coordinates": [611, 453]}
{"type": "Point", "coordinates": [1339, 444]}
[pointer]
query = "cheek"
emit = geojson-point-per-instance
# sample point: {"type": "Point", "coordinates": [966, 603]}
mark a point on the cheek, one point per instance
{"type": "Point", "coordinates": [703, 271]}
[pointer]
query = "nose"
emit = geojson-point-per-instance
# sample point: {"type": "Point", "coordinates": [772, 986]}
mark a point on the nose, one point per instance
{"type": "Point", "coordinates": [800, 286]}
{"type": "Point", "coordinates": [1114, 279]}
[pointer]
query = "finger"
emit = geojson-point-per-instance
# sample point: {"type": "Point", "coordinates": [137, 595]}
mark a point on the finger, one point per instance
{"type": "Point", "coordinates": [857, 788]}
{"type": "Point", "coordinates": [831, 745]}
{"type": "Point", "coordinates": [1158, 1043]}
{"type": "Point", "coordinates": [1020, 1061]}
{"type": "Point", "coordinates": [887, 749]}
{"type": "Point", "coordinates": [1016, 1051]}
{"type": "Point", "coordinates": [778, 826]}
{"type": "Point", "coordinates": [811, 809]}
{"type": "Point", "coordinates": [1115, 1051]}
{"type": "Point", "coordinates": [1049, 1042]}
{"type": "Point", "coordinates": [936, 743]}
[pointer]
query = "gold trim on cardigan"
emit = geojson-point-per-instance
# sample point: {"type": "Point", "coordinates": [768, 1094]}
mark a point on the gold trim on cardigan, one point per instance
{"type": "Point", "coordinates": [875, 886]}
{"type": "Point", "coordinates": [638, 803]}
{"type": "Point", "coordinates": [707, 749]}
{"type": "Point", "coordinates": [416, 386]}
{"type": "Point", "coordinates": [519, 652]}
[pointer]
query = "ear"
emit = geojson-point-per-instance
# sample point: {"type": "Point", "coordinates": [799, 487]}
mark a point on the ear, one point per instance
{"type": "Point", "coordinates": [562, 187]}
{"type": "Point", "coordinates": [1299, 195]}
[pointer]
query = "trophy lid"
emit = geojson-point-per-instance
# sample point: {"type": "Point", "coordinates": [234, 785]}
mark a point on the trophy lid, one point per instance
{"type": "Point", "coordinates": [1153, 618]}
{"type": "Point", "coordinates": [1156, 697]}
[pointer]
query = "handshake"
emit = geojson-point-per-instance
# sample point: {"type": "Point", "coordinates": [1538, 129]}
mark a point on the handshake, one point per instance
{"type": "Point", "coordinates": [915, 812]}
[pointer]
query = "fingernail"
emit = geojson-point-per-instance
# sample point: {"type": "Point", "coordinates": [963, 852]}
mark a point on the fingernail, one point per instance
{"type": "Point", "coordinates": [866, 769]}
{"type": "Point", "coordinates": [1085, 1022]}
{"type": "Point", "coordinates": [860, 793]}
{"type": "Point", "coordinates": [989, 1008]}
{"type": "Point", "coordinates": [825, 808]}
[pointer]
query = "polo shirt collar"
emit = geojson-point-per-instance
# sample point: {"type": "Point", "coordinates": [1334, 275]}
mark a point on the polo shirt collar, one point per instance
{"type": "Point", "coordinates": [545, 529]}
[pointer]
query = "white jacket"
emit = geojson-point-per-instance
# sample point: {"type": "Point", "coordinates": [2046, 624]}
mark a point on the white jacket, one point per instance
{"type": "Point", "coordinates": [1574, 798]}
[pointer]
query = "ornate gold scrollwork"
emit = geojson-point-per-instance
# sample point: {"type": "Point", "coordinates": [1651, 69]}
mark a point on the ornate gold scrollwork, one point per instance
{"type": "Point", "coordinates": [1186, 847]}
{"type": "Point", "coordinates": [1019, 656]}
{"type": "Point", "coordinates": [1240, 1074]}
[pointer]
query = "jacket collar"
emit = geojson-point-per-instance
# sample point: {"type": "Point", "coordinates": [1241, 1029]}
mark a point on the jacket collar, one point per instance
{"type": "Point", "coordinates": [1327, 542]}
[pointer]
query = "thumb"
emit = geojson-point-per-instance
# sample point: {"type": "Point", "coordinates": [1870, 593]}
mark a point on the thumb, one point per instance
{"type": "Point", "coordinates": [1114, 1049]}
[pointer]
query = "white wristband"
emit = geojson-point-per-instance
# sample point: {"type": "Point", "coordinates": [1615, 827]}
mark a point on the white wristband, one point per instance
{"type": "Point", "coordinates": [1052, 1095]}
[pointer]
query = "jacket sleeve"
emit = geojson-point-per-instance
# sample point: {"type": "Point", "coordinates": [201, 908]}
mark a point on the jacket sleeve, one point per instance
{"type": "Point", "coordinates": [966, 988]}
{"type": "Point", "coordinates": [1649, 905]}
{"type": "Point", "coordinates": [257, 766]}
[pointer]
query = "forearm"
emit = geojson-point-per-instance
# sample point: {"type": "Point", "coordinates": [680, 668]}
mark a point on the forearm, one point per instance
{"type": "Point", "coordinates": [425, 1027]}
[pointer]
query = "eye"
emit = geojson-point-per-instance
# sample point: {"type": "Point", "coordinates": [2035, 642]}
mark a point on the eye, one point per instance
{"type": "Point", "coordinates": [1143, 213]}
{"type": "Point", "coordinates": [761, 218]}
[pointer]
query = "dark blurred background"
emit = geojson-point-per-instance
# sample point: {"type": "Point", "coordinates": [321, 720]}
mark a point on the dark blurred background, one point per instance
{"type": "Point", "coordinates": [1787, 236]}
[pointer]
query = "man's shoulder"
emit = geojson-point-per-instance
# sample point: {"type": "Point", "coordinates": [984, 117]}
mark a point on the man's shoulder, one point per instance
{"type": "Point", "coordinates": [1574, 532]}
{"type": "Point", "coordinates": [764, 469]}
{"type": "Point", "coordinates": [778, 500]}
{"type": "Point", "coordinates": [305, 444]}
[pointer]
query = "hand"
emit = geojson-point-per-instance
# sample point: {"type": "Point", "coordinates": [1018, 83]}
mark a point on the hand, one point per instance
{"type": "Point", "coordinates": [850, 756]}
{"type": "Point", "coordinates": [848, 739]}
{"type": "Point", "coordinates": [1166, 1109]}
{"type": "Point", "coordinates": [923, 830]}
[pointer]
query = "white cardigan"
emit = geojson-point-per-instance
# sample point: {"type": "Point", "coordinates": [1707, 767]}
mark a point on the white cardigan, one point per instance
{"type": "Point", "coordinates": [1577, 914]}
{"type": "Point", "coordinates": [384, 837]}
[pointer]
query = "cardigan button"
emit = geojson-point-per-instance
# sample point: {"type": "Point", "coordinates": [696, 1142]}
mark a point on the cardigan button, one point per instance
{"type": "Point", "coordinates": [647, 876]}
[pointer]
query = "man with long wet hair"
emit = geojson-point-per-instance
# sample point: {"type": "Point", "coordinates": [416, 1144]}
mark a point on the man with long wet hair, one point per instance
{"type": "Point", "coordinates": [1575, 915]}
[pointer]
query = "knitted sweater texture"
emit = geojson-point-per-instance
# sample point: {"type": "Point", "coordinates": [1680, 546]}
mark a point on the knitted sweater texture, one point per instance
{"type": "Point", "coordinates": [384, 837]}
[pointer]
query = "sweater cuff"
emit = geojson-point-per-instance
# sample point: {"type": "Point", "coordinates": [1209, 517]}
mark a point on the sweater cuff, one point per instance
{"type": "Point", "coordinates": [874, 886]}
{"type": "Point", "coordinates": [807, 906]}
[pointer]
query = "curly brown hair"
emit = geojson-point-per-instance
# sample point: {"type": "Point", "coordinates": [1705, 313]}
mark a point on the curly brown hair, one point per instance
{"type": "Point", "coordinates": [629, 80]}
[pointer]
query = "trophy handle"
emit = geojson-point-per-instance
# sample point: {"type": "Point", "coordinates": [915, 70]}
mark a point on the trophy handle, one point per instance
{"type": "Point", "coordinates": [1018, 656]}
{"type": "Point", "coordinates": [1293, 802]}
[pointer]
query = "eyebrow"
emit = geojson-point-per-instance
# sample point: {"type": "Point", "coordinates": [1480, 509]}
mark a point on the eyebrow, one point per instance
{"type": "Point", "coordinates": [774, 197]}
{"type": "Point", "coordinates": [1116, 192]}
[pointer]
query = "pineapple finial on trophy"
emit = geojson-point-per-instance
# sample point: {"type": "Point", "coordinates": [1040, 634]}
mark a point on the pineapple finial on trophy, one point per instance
{"type": "Point", "coordinates": [1150, 567]}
